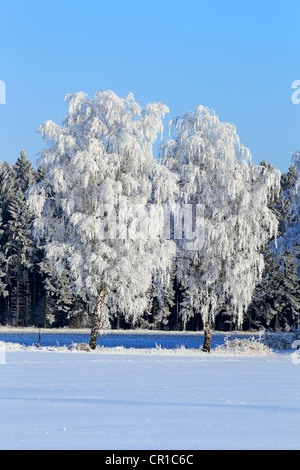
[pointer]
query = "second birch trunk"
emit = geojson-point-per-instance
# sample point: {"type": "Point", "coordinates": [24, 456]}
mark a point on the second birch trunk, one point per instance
{"type": "Point", "coordinates": [96, 320]}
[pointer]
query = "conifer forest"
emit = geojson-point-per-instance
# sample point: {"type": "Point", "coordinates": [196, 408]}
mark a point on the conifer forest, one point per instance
{"type": "Point", "coordinates": [63, 261]}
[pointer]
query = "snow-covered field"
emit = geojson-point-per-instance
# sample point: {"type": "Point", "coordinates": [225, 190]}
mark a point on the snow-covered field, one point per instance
{"type": "Point", "coordinates": [54, 398]}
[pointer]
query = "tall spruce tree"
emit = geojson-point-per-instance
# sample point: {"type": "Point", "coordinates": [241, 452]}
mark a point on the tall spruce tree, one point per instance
{"type": "Point", "coordinates": [16, 241]}
{"type": "Point", "coordinates": [18, 253]}
{"type": "Point", "coordinates": [7, 187]}
{"type": "Point", "coordinates": [3, 285]}
{"type": "Point", "coordinates": [276, 298]}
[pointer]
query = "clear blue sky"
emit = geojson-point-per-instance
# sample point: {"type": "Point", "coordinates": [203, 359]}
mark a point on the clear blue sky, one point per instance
{"type": "Point", "coordinates": [238, 57]}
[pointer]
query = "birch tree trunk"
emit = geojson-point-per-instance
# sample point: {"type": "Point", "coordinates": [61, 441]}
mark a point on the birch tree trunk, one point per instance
{"type": "Point", "coordinates": [96, 320]}
{"type": "Point", "coordinates": [207, 339]}
{"type": "Point", "coordinates": [27, 301]}
{"type": "Point", "coordinates": [18, 302]}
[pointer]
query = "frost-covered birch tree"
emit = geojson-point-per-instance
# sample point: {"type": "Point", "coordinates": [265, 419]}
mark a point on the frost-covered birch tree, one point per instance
{"type": "Point", "coordinates": [100, 175]}
{"type": "Point", "coordinates": [216, 170]}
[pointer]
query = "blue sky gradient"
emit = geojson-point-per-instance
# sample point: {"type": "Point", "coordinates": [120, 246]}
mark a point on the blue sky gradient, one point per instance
{"type": "Point", "coordinates": [237, 57]}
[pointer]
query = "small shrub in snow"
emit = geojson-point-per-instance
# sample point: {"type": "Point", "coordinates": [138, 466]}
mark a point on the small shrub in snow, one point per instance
{"type": "Point", "coordinates": [243, 346]}
{"type": "Point", "coordinates": [279, 341]}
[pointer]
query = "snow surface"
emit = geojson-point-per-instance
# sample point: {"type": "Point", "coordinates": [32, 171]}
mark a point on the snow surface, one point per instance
{"type": "Point", "coordinates": [54, 398]}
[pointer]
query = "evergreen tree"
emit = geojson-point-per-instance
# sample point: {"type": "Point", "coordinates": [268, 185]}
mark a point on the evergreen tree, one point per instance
{"type": "Point", "coordinates": [3, 286]}
{"type": "Point", "coordinates": [282, 206]}
{"type": "Point", "coordinates": [19, 246]}
{"type": "Point", "coordinates": [276, 299]}
{"type": "Point", "coordinates": [290, 238]}
{"type": "Point", "coordinates": [7, 189]}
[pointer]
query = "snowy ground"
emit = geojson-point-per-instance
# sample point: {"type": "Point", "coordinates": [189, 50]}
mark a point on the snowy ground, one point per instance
{"type": "Point", "coordinates": [151, 399]}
